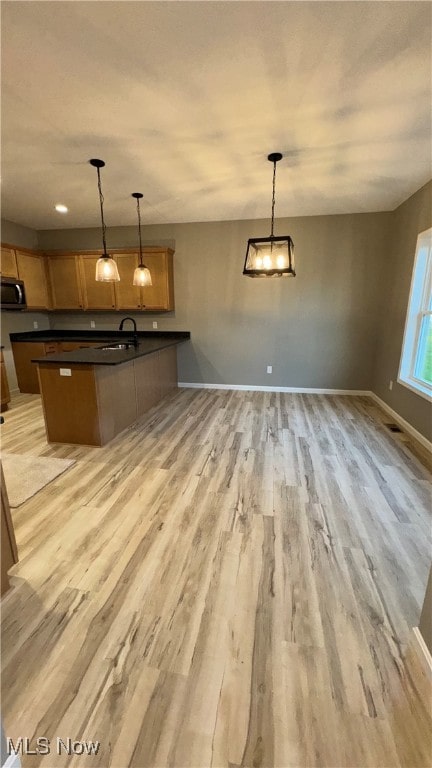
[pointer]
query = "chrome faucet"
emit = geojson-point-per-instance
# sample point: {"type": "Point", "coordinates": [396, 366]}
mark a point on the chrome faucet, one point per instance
{"type": "Point", "coordinates": [135, 335]}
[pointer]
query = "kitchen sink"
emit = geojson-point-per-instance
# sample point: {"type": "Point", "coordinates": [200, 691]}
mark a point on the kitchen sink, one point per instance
{"type": "Point", "coordinates": [120, 346]}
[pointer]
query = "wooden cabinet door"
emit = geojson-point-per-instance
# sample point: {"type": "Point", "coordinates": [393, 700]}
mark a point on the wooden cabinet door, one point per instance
{"type": "Point", "coordinates": [159, 295]}
{"type": "Point", "coordinates": [26, 371]}
{"type": "Point", "coordinates": [5, 394]}
{"type": "Point", "coordinates": [96, 295]}
{"type": "Point", "coordinates": [64, 279]}
{"type": "Point", "coordinates": [127, 296]}
{"type": "Point", "coordinates": [31, 269]}
{"type": "Point", "coordinates": [52, 347]}
{"type": "Point", "coordinates": [70, 346]}
{"type": "Point", "coordinates": [8, 267]}
{"type": "Point", "coordinates": [67, 346]}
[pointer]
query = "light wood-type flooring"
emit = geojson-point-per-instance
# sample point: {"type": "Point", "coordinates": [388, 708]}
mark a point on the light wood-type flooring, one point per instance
{"type": "Point", "coordinates": [230, 582]}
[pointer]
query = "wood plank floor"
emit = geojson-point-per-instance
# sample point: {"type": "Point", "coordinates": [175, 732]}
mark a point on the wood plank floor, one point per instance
{"type": "Point", "coordinates": [230, 582]}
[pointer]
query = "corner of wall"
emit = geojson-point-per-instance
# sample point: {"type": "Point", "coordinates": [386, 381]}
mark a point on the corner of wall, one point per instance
{"type": "Point", "coordinates": [392, 292]}
{"type": "Point", "coordinates": [16, 234]}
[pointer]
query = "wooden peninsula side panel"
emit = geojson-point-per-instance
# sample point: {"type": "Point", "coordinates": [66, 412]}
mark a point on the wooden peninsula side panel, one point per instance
{"type": "Point", "coordinates": [70, 404]}
{"type": "Point", "coordinates": [96, 402]}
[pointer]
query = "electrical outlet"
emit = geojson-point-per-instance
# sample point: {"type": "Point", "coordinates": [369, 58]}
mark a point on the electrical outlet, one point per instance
{"type": "Point", "coordinates": [92, 324]}
{"type": "Point", "coordinates": [35, 324]}
{"type": "Point", "coordinates": [65, 372]}
{"type": "Point", "coordinates": [154, 323]}
{"type": "Point", "coordinates": [390, 384]}
{"type": "Point", "coordinates": [269, 369]}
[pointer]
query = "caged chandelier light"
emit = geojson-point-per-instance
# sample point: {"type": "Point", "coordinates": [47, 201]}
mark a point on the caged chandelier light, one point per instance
{"type": "Point", "coordinates": [270, 256]}
{"type": "Point", "coordinates": [142, 276]}
{"type": "Point", "coordinates": [106, 267]}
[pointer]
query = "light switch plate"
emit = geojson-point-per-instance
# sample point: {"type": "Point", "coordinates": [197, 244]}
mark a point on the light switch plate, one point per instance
{"type": "Point", "coordinates": [92, 324]}
{"type": "Point", "coordinates": [65, 372]}
{"type": "Point", "coordinates": [154, 323]}
{"type": "Point", "coordinates": [269, 369]}
{"type": "Point", "coordinates": [35, 324]}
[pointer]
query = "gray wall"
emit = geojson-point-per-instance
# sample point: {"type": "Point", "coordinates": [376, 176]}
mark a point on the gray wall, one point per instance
{"type": "Point", "coordinates": [317, 330]}
{"type": "Point", "coordinates": [12, 322]}
{"type": "Point", "coordinates": [15, 234]}
{"type": "Point", "coordinates": [339, 324]}
{"type": "Point", "coordinates": [412, 217]}
{"type": "Point", "coordinates": [425, 624]}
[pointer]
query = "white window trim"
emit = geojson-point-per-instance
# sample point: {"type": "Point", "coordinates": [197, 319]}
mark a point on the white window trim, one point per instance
{"type": "Point", "coordinates": [406, 375]}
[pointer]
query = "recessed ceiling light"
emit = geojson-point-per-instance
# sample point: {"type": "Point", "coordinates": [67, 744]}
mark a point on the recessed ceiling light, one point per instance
{"type": "Point", "coordinates": [61, 208]}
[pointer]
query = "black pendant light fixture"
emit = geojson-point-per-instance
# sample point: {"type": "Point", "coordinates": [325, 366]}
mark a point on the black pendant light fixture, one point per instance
{"type": "Point", "coordinates": [270, 256]}
{"type": "Point", "coordinates": [106, 267]}
{"type": "Point", "coordinates": [142, 276]}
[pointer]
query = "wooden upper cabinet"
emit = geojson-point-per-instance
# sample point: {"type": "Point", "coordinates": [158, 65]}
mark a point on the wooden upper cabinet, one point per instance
{"type": "Point", "coordinates": [31, 269]}
{"type": "Point", "coordinates": [65, 282]}
{"type": "Point", "coordinates": [8, 265]}
{"type": "Point", "coordinates": [127, 296]}
{"type": "Point", "coordinates": [96, 295]}
{"type": "Point", "coordinates": [159, 295]}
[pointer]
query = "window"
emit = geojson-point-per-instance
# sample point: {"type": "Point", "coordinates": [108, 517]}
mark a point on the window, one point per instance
{"type": "Point", "coordinates": [415, 369]}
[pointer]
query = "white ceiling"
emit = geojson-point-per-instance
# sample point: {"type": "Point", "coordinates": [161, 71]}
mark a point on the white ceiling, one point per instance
{"type": "Point", "coordinates": [184, 100]}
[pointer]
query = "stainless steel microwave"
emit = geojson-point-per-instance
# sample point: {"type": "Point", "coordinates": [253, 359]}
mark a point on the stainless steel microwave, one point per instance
{"type": "Point", "coordinates": [12, 294]}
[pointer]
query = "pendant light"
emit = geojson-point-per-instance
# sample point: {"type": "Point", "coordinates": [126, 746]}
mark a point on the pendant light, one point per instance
{"type": "Point", "coordinates": [142, 276]}
{"type": "Point", "coordinates": [270, 256]}
{"type": "Point", "coordinates": [106, 267]}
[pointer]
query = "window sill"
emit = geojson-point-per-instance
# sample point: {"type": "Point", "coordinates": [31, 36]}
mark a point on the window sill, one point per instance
{"type": "Point", "coordinates": [416, 387]}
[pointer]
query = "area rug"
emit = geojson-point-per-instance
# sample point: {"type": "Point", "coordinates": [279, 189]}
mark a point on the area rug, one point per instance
{"type": "Point", "coordinates": [27, 475]}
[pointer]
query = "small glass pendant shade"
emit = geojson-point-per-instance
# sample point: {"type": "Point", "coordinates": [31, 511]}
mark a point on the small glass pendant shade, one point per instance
{"type": "Point", "coordinates": [270, 257]}
{"type": "Point", "coordinates": [142, 276]}
{"type": "Point", "coordinates": [106, 267]}
{"type": "Point", "coordinates": [107, 270]}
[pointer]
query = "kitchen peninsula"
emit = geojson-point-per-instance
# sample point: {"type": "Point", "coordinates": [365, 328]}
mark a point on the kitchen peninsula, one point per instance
{"type": "Point", "coordinates": [93, 393]}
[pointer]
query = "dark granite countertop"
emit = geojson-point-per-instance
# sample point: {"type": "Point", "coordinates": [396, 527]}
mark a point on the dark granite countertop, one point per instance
{"type": "Point", "coordinates": [80, 335]}
{"type": "Point", "coordinates": [148, 342]}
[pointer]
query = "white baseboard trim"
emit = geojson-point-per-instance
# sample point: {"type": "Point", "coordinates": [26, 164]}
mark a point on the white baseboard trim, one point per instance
{"type": "Point", "coordinates": [418, 662]}
{"type": "Point", "coordinates": [253, 388]}
{"type": "Point", "coordinates": [422, 651]}
{"type": "Point", "coordinates": [402, 422]}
